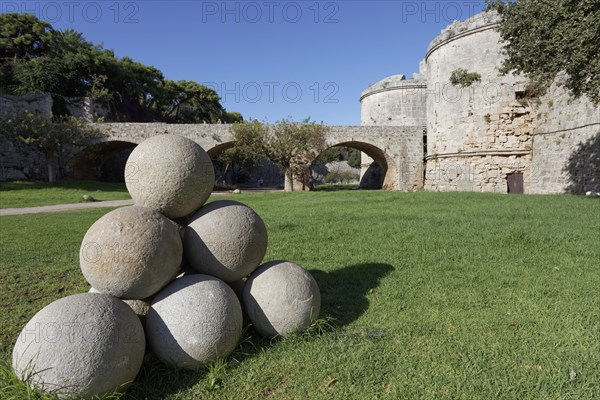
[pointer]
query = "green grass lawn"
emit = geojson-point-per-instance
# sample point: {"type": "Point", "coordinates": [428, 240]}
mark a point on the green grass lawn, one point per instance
{"type": "Point", "coordinates": [432, 296]}
{"type": "Point", "coordinates": [31, 194]}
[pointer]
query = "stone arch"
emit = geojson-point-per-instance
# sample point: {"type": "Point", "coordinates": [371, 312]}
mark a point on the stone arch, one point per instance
{"type": "Point", "coordinates": [101, 161]}
{"type": "Point", "coordinates": [387, 168]}
{"type": "Point", "coordinates": [218, 149]}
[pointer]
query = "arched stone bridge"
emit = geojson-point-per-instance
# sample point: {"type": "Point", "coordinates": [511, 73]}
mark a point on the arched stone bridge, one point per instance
{"type": "Point", "coordinates": [397, 149]}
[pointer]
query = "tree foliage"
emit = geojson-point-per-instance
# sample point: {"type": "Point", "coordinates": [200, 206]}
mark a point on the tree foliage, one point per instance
{"type": "Point", "coordinates": [291, 145]}
{"type": "Point", "coordinates": [236, 163]}
{"type": "Point", "coordinates": [463, 77]}
{"type": "Point", "coordinates": [341, 177]}
{"type": "Point", "coordinates": [35, 58]}
{"type": "Point", "coordinates": [23, 36]}
{"type": "Point", "coordinates": [543, 38]}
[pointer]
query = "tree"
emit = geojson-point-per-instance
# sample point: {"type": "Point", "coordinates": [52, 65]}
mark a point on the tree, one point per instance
{"type": "Point", "coordinates": [23, 36]}
{"type": "Point", "coordinates": [543, 38]}
{"type": "Point", "coordinates": [238, 162]}
{"type": "Point", "coordinates": [65, 69]}
{"type": "Point", "coordinates": [354, 158]}
{"type": "Point", "coordinates": [35, 58]}
{"type": "Point", "coordinates": [188, 102]}
{"type": "Point", "coordinates": [233, 117]}
{"type": "Point", "coordinates": [49, 136]}
{"type": "Point", "coordinates": [291, 145]}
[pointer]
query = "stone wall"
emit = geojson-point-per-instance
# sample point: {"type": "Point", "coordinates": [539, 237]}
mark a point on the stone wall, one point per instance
{"type": "Point", "coordinates": [37, 103]}
{"type": "Point", "coordinates": [19, 162]}
{"type": "Point", "coordinates": [41, 104]}
{"type": "Point", "coordinates": [320, 172]}
{"type": "Point", "coordinates": [86, 108]}
{"type": "Point", "coordinates": [566, 144]}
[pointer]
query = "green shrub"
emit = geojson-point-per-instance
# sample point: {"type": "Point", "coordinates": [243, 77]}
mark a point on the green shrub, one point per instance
{"type": "Point", "coordinates": [463, 77]}
{"type": "Point", "coordinates": [341, 176]}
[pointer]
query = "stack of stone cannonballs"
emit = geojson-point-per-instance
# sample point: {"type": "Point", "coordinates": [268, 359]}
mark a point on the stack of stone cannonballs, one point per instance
{"type": "Point", "coordinates": [162, 271]}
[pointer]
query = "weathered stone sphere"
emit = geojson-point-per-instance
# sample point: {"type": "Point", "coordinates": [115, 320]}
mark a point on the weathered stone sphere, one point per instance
{"type": "Point", "coordinates": [169, 174]}
{"type": "Point", "coordinates": [81, 345]}
{"type": "Point", "coordinates": [238, 289]}
{"type": "Point", "coordinates": [193, 321]}
{"type": "Point", "coordinates": [281, 297]}
{"type": "Point", "coordinates": [226, 239]}
{"type": "Point", "coordinates": [139, 307]}
{"type": "Point", "coordinates": [131, 253]}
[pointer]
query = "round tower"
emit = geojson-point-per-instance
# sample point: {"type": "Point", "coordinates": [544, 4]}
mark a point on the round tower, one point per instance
{"type": "Point", "coordinates": [393, 101]}
{"type": "Point", "coordinates": [479, 123]}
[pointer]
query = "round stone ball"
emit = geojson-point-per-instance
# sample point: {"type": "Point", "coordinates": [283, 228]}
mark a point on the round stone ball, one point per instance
{"type": "Point", "coordinates": [226, 239]}
{"type": "Point", "coordinates": [281, 297]}
{"type": "Point", "coordinates": [193, 321]}
{"type": "Point", "coordinates": [169, 174]}
{"type": "Point", "coordinates": [131, 253]}
{"type": "Point", "coordinates": [139, 307]}
{"type": "Point", "coordinates": [82, 345]}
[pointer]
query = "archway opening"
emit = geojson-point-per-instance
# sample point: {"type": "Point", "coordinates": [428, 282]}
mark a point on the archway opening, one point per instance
{"type": "Point", "coordinates": [102, 162]}
{"type": "Point", "coordinates": [375, 172]}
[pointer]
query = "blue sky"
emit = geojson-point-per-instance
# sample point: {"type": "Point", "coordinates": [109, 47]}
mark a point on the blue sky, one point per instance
{"type": "Point", "coordinates": [266, 59]}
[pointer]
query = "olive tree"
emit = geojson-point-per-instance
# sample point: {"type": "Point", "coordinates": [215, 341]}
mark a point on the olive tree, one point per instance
{"type": "Point", "coordinates": [291, 145]}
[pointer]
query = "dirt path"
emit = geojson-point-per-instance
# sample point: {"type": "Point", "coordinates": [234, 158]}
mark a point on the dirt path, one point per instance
{"type": "Point", "coordinates": [64, 207]}
{"type": "Point", "coordinates": [85, 206]}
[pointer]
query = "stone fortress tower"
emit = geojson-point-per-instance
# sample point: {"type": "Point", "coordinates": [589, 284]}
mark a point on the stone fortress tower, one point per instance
{"type": "Point", "coordinates": [393, 101]}
{"type": "Point", "coordinates": [493, 135]}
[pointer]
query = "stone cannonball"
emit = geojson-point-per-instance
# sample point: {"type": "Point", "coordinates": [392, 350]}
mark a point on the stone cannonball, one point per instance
{"type": "Point", "coordinates": [82, 345]}
{"type": "Point", "coordinates": [226, 239]}
{"type": "Point", "coordinates": [131, 253]}
{"type": "Point", "coordinates": [139, 307]}
{"type": "Point", "coordinates": [193, 321]}
{"type": "Point", "coordinates": [170, 174]}
{"type": "Point", "coordinates": [281, 297]}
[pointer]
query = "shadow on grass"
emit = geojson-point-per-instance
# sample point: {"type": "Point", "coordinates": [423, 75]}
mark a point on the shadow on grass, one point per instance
{"type": "Point", "coordinates": [343, 298]}
{"type": "Point", "coordinates": [157, 381]}
{"type": "Point", "coordinates": [343, 291]}
{"type": "Point", "coordinates": [335, 188]}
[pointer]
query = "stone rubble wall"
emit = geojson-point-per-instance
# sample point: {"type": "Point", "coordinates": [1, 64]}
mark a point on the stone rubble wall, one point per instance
{"type": "Point", "coordinates": [17, 160]}
{"type": "Point", "coordinates": [320, 171]}
{"type": "Point", "coordinates": [87, 109]}
{"type": "Point", "coordinates": [10, 106]}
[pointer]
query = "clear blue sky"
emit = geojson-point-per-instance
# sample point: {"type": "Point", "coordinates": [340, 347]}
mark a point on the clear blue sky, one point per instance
{"type": "Point", "coordinates": [267, 59]}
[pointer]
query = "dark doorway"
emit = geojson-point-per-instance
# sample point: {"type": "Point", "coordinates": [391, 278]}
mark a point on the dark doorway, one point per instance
{"type": "Point", "coordinates": [515, 183]}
